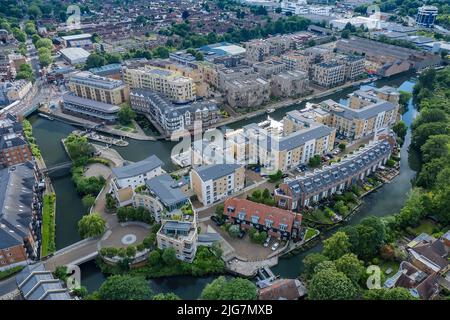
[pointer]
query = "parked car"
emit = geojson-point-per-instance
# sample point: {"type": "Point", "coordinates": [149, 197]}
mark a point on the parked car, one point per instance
{"type": "Point", "coordinates": [267, 242]}
{"type": "Point", "coordinates": [241, 234]}
{"type": "Point", "coordinates": [217, 220]}
{"type": "Point", "coordinates": [284, 176]}
{"type": "Point", "coordinates": [275, 246]}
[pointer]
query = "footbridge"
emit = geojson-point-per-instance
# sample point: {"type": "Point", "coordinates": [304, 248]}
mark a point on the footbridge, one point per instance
{"type": "Point", "coordinates": [75, 254]}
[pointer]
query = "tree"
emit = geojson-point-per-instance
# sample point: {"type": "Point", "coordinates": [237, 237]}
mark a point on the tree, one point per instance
{"type": "Point", "coordinates": [166, 296]}
{"type": "Point", "coordinates": [234, 289]}
{"type": "Point", "coordinates": [25, 72]}
{"type": "Point", "coordinates": [88, 201]}
{"type": "Point", "coordinates": [336, 246]}
{"type": "Point", "coordinates": [424, 131]}
{"type": "Point", "coordinates": [400, 129]}
{"type": "Point", "coordinates": [161, 52]}
{"type": "Point", "coordinates": [91, 225]}
{"type": "Point", "coordinates": [95, 60]}
{"type": "Point", "coordinates": [111, 202]}
{"type": "Point", "coordinates": [30, 28]}
{"type": "Point", "coordinates": [80, 292]}
{"type": "Point", "coordinates": [44, 43]}
{"type": "Point", "coordinates": [341, 208]}
{"type": "Point", "coordinates": [234, 231]}
{"type": "Point", "coordinates": [331, 285]}
{"type": "Point", "coordinates": [325, 265]}
{"type": "Point", "coordinates": [219, 210]}
{"type": "Point", "coordinates": [398, 293]}
{"type": "Point", "coordinates": [154, 258]}
{"type": "Point", "coordinates": [341, 146]}
{"type": "Point", "coordinates": [169, 256]}
{"type": "Point", "coordinates": [351, 266]}
{"type": "Point", "coordinates": [19, 35]}
{"type": "Point", "coordinates": [429, 171]}
{"type": "Point", "coordinates": [78, 147]}
{"type": "Point", "coordinates": [315, 161]}
{"type": "Point", "coordinates": [404, 98]}
{"type": "Point", "coordinates": [126, 115]}
{"type": "Point", "coordinates": [435, 147]}
{"type": "Point", "coordinates": [125, 287]}
{"type": "Point", "coordinates": [45, 56]}
{"type": "Point", "coordinates": [311, 261]}
{"type": "Point", "coordinates": [185, 14]}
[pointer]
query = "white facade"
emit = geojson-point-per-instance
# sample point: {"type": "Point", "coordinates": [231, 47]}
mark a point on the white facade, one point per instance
{"type": "Point", "coordinates": [138, 180]}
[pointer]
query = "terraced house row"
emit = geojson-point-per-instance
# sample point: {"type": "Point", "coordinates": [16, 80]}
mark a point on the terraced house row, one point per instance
{"type": "Point", "coordinates": [303, 191]}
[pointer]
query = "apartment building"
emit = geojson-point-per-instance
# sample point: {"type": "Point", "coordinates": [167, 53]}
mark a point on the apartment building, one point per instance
{"type": "Point", "coordinates": [130, 176]}
{"type": "Point", "coordinates": [21, 190]}
{"type": "Point", "coordinates": [268, 68]}
{"type": "Point", "coordinates": [354, 65]}
{"type": "Point", "coordinates": [289, 84]}
{"type": "Point", "coordinates": [202, 88]}
{"type": "Point", "coordinates": [14, 150]}
{"type": "Point", "coordinates": [305, 59]}
{"type": "Point", "coordinates": [214, 182]}
{"type": "Point", "coordinates": [180, 235]}
{"type": "Point", "coordinates": [98, 88]}
{"type": "Point", "coordinates": [278, 223]}
{"type": "Point", "coordinates": [247, 93]}
{"type": "Point", "coordinates": [177, 88]}
{"type": "Point", "coordinates": [170, 117]}
{"type": "Point", "coordinates": [328, 74]}
{"type": "Point", "coordinates": [355, 123]}
{"type": "Point", "coordinates": [261, 49]}
{"type": "Point", "coordinates": [163, 197]}
{"type": "Point", "coordinates": [303, 191]}
{"type": "Point", "coordinates": [89, 109]}
{"type": "Point", "coordinates": [286, 151]}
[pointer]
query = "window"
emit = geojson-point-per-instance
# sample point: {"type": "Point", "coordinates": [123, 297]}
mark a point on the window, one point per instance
{"type": "Point", "coordinates": [269, 223]}
{"type": "Point", "coordinates": [283, 227]}
{"type": "Point", "coordinates": [241, 215]}
{"type": "Point", "coordinates": [255, 219]}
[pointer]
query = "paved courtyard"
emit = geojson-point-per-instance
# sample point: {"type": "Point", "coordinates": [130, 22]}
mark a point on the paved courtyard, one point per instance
{"type": "Point", "coordinates": [243, 248]}
{"type": "Point", "coordinates": [125, 236]}
{"type": "Point", "coordinates": [97, 169]}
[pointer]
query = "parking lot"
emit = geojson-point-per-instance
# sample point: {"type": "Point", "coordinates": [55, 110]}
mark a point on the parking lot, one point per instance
{"type": "Point", "coordinates": [244, 248]}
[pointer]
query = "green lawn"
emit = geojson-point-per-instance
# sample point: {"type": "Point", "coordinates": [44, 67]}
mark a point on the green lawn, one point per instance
{"type": "Point", "coordinates": [48, 225]}
{"type": "Point", "coordinates": [310, 232]}
{"type": "Point", "coordinates": [426, 226]}
{"type": "Point", "coordinates": [385, 265]}
{"type": "Point", "coordinates": [7, 273]}
{"type": "Point", "coordinates": [127, 127]}
{"type": "Point", "coordinates": [319, 216]}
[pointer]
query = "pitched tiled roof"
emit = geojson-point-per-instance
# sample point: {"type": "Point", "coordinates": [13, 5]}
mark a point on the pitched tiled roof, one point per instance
{"type": "Point", "coordinates": [282, 289]}
{"type": "Point", "coordinates": [276, 215]}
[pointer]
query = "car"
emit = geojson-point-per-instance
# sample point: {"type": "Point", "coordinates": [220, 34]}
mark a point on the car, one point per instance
{"type": "Point", "coordinates": [217, 220]}
{"type": "Point", "coordinates": [267, 242]}
{"type": "Point", "coordinates": [275, 246]}
{"type": "Point", "coordinates": [241, 234]}
{"type": "Point", "coordinates": [284, 176]}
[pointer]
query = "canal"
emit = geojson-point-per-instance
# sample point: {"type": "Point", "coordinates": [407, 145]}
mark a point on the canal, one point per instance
{"type": "Point", "coordinates": [48, 134]}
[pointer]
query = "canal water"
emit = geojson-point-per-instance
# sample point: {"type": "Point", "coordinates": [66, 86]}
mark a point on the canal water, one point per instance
{"type": "Point", "coordinates": [48, 134]}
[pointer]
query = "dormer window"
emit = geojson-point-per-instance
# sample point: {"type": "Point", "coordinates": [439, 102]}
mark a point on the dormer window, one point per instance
{"type": "Point", "coordinates": [255, 219]}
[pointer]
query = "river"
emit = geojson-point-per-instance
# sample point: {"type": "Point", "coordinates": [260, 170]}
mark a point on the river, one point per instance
{"type": "Point", "coordinates": [69, 210]}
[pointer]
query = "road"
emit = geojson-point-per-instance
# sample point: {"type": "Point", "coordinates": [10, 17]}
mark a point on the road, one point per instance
{"type": "Point", "coordinates": [8, 285]}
